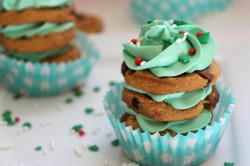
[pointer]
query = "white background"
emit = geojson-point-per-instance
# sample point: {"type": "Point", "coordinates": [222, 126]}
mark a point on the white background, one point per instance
{"type": "Point", "coordinates": [231, 32]}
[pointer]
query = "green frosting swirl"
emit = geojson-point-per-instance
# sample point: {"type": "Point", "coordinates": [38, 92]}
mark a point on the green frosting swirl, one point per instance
{"type": "Point", "coordinates": [160, 45]}
{"type": "Point", "coordinates": [24, 4]}
{"type": "Point", "coordinates": [35, 57]}
{"type": "Point", "coordinates": [150, 125]}
{"type": "Point", "coordinates": [33, 29]}
{"type": "Point", "coordinates": [179, 101]}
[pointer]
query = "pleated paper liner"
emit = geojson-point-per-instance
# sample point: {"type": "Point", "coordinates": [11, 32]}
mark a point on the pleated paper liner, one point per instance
{"type": "Point", "coordinates": [147, 149]}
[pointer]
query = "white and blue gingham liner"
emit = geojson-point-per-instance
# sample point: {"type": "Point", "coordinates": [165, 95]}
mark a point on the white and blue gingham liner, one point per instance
{"type": "Point", "coordinates": [44, 79]}
{"type": "Point", "coordinates": [166, 150]}
{"type": "Point", "coordinates": [146, 10]}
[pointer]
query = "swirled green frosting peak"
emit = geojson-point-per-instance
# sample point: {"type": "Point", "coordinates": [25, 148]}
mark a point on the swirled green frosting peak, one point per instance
{"type": "Point", "coordinates": [163, 46]}
{"type": "Point", "coordinates": [24, 4]}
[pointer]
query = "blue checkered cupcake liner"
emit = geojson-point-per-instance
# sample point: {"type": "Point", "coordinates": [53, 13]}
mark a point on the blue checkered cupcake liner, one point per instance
{"type": "Point", "coordinates": [48, 79]}
{"type": "Point", "coordinates": [146, 10]}
{"type": "Point", "coordinates": [156, 150]}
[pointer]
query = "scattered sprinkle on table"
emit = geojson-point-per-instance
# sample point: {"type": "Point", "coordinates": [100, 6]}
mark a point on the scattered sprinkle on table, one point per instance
{"type": "Point", "coordinates": [130, 164]}
{"type": "Point", "coordinates": [228, 164]}
{"type": "Point", "coordinates": [81, 132]}
{"type": "Point", "coordinates": [78, 152]}
{"type": "Point", "coordinates": [78, 93]}
{"type": "Point", "coordinates": [115, 142]}
{"type": "Point", "coordinates": [76, 128]}
{"type": "Point", "coordinates": [17, 119]}
{"type": "Point", "coordinates": [38, 148]}
{"type": "Point", "coordinates": [112, 83]}
{"type": "Point", "coordinates": [17, 96]}
{"type": "Point", "coordinates": [45, 151]}
{"type": "Point", "coordinates": [6, 146]}
{"type": "Point", "coordinates": [7, 117]}
{"type": "Point", "coordinates": [52, 144]}
{"type": "Point", "coordinates": [27, 124]}
{"type": "Point", "coordinates": [96, 89]}
{"type": "Point", "coordinates": [68, 100]}
{"type": "Point", "coordinates": [89, 110]}
{"type": "Point", "coordinates": [94, 148]}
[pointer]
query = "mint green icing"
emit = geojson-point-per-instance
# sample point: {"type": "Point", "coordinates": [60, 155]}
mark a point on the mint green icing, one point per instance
{"type": "Point", "coordinates": [33, 29]}
{"type": "Point", "coordinates": [150, 125]}
{"type": "Point", "coordinates": [162, 57]}
{"type": "Point", "coordinates": [34, 57]}
{"type": "Point", "coordinates": [24, 4]}
{"type": "Point", "coordinates": [178, 101]}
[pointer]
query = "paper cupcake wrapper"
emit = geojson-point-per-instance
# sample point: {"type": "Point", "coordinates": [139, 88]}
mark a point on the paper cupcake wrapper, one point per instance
{"type": "Point", "coordinates": [146, 10]}
{"type": "Point", "coordinates": [46, 79]}
{"type": "Point", "coordinates": [166, 150]}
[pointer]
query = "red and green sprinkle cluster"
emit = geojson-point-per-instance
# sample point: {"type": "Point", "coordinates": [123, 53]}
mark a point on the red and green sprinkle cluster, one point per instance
{"type": "Point", "coordinates": [202, 37]}
{"type": "Point", "coordinates": [9, 119]}
{"type": "Point", "coordinates": [78, 129]}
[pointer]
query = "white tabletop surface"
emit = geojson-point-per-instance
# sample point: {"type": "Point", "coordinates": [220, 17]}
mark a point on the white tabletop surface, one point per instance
{"type": "Point", "coordinates": [231, 32]}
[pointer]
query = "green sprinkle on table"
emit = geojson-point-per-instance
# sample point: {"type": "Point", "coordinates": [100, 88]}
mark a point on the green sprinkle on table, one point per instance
{"type": "Point", "coordinates": [76, 128]}
{"type": "Point", "coordinates": [7, 117]}
{"type": "Point", "coordinates": [17, 96]}
{"type": "Point", "coordinates": [27, 124]}
{"type": "Point", "coordinates": [112, 83]}
{"type": "Point", "coordinates": [38, 148]}
{"type": "Point", "coordinates": [96, 89]}
{"type": "Point", "coordinates": [94, 148]}
{"type": "Point", "coordinates": [78, 93]}
{"type": "Point", "coordinates": [11, 122]}
{"type": "Point", "coordinates": [89, 110]}
{"type": "Point", "coordinates": [69, 100]}
{"type": "Point", "coordinates": [6, 113]}
{"type": "Point", "coordinates": [115, 142]}
{"type": "Point", "coordinates": [229, 164]}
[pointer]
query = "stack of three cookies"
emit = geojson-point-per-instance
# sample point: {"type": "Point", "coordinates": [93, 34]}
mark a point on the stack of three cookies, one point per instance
{"type": "Point", "coordinates": [170, 78]}
{"type": "Point", "coordinates": [38, 31]}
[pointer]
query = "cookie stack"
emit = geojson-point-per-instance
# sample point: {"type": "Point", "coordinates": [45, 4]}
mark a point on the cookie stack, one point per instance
{"type": "Point", "coordinates": [41, 54]}
{"type": "Point", "coordinates": [38, 31]}
{"type": "Point", "coordinates": [170, 76]}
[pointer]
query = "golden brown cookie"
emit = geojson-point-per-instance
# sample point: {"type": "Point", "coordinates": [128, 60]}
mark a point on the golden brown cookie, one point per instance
{"type": "Point", "coordinates": [88, 23]}
{"type": "Point", "coordinates": [38, 44]}
{"type": "Point", "coordinates": [36, 15]}
{"type": "Point", "coordinates": [147, 81]}
{"type": "Point", "coordinates": [71, 55]}
{"type": "Point", "coordinates": [159, 111]}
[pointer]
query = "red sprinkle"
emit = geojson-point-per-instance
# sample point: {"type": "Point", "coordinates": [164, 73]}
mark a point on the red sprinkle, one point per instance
{"type": "Point", "coordinates": [76, 89]}
{"type": "Point", "coordinates": [138, 61]}
{"type": "Point", "coordinates": [199, 34]}
{"type": "Point", "coordinates": [17, 119]}
{"type": "Point", "coordinates": [134, 41]}
{"type": "Point", "coordinates": [81, 132]}
{"type": "Point", "coordinates": [181, 32]}
{"type": "Point", "coordinates": [192, 51]}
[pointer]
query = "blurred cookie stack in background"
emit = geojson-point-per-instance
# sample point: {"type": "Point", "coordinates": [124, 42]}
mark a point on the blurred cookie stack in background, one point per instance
{"type": "Point", "coordinates": [42, 53]}
{"type": "Point", "coordinates": [38, 30]}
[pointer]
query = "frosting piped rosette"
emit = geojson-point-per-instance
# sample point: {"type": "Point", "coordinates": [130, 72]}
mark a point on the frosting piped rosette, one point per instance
{"type": "Point", "coordinates": [170, 73]}
{"type": "Point", "coordinates": [170, 48]}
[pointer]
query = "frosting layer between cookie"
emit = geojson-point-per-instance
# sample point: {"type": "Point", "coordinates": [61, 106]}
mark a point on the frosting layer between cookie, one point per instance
{"type": "Point", "coordinates": [21, 5]}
